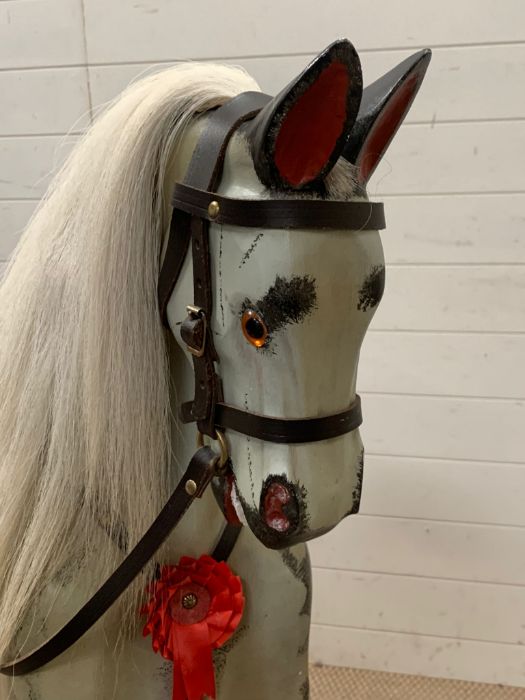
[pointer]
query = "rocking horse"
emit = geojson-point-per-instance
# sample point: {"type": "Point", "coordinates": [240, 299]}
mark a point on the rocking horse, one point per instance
{"type": "Point", "coordinates": [206, 264]}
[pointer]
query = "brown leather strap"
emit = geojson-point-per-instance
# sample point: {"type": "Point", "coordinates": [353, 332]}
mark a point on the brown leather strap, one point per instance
{"type": "Point", "coordinates": [176, 250]}
{"type": "Point", "coordinates": [279, 213]}
{"type": "Point", "coordinates": [200, 470]}
{"type": "Point", "coordinates": [227, 541]}
{"type": "Point", "coordinates": [283, 430]}
{"type": "Point", "coordinates": [204, 172]}
{"type": "Point", "coordinates": [208, 390]}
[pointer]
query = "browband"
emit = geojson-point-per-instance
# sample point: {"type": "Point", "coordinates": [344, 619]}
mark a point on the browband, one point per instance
{"type": "Point", "coordinates": [279, 213]}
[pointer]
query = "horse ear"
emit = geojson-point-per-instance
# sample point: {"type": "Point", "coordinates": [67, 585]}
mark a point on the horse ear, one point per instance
{"type": "Point", "coordinates": [299, 135]}
{"type": "Point", "coordinates": [384, 105]}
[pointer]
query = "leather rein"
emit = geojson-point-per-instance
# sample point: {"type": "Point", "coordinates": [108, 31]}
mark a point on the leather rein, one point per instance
{"type": "Point", "coordinates": [195, 205]}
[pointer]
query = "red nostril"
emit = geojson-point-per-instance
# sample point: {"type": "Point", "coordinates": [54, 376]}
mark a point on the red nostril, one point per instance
{"type": "Point", "coordinates": [277, 495]}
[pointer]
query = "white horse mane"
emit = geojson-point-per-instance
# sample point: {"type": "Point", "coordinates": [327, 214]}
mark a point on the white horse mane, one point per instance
{"type": "Point", "coordinates": [84, 395]}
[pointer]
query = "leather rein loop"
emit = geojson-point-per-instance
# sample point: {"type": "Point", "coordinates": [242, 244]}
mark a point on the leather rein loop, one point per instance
{"type": "Point", "coordinates": [198, 475]}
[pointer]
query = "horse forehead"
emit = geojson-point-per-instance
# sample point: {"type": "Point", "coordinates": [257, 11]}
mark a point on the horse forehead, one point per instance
{"type": "Point", "coordinates": [312, 250]}
{"type": "Point", "coordinates": [252, 259]}
{"type": "Point", "coordinates": [239, 178]}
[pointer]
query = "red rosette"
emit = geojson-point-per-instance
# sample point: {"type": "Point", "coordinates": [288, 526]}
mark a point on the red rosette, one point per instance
{"type": "Point", "coordinates": [194, 607]}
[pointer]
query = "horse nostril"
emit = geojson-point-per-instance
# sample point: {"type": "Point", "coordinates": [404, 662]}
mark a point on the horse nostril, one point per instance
{"type": "Point", "coordinates": [276, 497]}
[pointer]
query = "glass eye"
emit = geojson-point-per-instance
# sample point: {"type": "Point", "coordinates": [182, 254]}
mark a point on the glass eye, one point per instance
{"type": "Point", "coordinates": [254, 328]}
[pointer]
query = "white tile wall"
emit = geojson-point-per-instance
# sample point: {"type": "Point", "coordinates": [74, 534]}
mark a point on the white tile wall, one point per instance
{"type": "Point", "coordinates": [459, 77]}
{"type": "Point", "coordinates": [13, 218]}
{"type": "Point", "coordinates": [401, 652]}
{"type": "Point", "coordinates": [37, 33]}
{"type": "Point", "coordinates": [446, 229]}
{"type": "Point", "coordinates": [459, 298]}
{"type": "Point", "coordinates": [453, 158]}
{"type": "Point", "coordinates": [415, 547]}
{"type": "Point", "coordinates": [442, 489]}
{"type": "Point", "coordinates": [47, 101]}
{"type": "Point", "coordinates": [430, 578]}
{"type": "Point", "coordinates": [445, 427]}
{"type": "Point", "coordinates": [28, 162]}
{"type": "Point", "coordinates": [156, 30]}
{"type": "Point", "coordinates": [425, 606]}
{"type": "Point", "coordinates": [442, 364]}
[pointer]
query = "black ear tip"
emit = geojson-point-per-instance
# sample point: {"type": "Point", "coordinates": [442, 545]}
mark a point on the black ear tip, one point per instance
{"type": "Point", "coordinates": [340, 50]}
{"type": "Point", "coordinates": [344, 50]}
{"type": "Point", "coordinates": [412, 70]}
{"type": "Point", "coordinates": [384, 105]}
{"type": "Point", "coordinates": [421, 60]}
{"type": "Point", "coordinates": [423, 54]}
{"type": "Point", "coordinates": [414, 65]}
{"type": "Point", "coordinates": [417, 69]}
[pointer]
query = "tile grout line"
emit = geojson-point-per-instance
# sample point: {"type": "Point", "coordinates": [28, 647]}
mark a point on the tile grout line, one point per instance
{"type": "Point", "coordinates": [296, 54]}
{"type": "Point", "coordinates": [456, 397]}
{"type": "Point", "coordinates": [378, 630]}
{"type": "Point", "coordinates": [482, 583]}
{"type": "Point", "coordinates": [86, 61]}
{"type": "Point", "coordinates": [407, 125]}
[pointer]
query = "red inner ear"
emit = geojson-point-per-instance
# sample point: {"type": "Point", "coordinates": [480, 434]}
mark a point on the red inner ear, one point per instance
{"type": "Point", "coordinates": [385, 127]}
{"type": "Point", "coordinates": [311, 128]}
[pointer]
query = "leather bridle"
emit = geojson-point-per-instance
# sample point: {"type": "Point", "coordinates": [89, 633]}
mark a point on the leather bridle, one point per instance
{"type": "Point", "coordinates": [196, 204]}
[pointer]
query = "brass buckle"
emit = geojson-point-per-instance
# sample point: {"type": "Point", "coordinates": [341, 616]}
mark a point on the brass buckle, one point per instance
{"type": "Point", "coordinates": [224, 456]}
{"type": "Point", "coordinates": [197, 312]}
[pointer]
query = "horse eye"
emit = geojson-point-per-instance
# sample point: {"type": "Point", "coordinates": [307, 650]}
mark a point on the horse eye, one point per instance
{"type": "Point", "coordinates": [254, 328]}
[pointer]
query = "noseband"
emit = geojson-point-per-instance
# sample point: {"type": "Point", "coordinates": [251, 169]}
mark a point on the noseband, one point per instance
{"type": "Point", "coordinates": [195, 205]}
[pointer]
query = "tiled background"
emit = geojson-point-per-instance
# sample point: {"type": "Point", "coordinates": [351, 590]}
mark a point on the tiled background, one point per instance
{"type": "Point", "coordinates": [430, 577]}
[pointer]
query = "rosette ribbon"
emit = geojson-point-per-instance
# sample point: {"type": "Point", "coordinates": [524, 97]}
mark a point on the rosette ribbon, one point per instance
{"type": "Point", "coordinates": [194, 607]}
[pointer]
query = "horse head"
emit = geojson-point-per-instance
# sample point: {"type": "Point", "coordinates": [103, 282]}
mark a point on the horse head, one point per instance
{"type": "Point", "coordinates": [291, 302]}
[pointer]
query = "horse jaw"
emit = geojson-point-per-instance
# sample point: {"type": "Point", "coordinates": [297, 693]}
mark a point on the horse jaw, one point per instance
{"type": "Point", "coordinates": [288, 493]}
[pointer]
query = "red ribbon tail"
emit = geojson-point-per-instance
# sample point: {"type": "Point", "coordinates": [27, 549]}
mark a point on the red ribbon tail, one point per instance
{"type": "Point", "coordinates": [196, 661]}
{"type": "Point", "coordinates": [179, 691]}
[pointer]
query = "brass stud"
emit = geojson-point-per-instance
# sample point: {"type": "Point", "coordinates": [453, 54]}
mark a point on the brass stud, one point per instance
{"type": "Point", "coordinates": [189, 601]}
{"type": "Point", "coordinates": [213, 209]}
{"type": "Point", "coordinates": [190, 487]}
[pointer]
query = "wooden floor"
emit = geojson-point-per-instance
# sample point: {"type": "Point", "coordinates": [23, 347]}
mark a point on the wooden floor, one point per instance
{"type": "Point", "coordinates": [332, 683]}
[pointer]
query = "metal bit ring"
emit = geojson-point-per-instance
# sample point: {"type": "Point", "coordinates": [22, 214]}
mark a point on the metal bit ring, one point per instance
{"type": "Point", "coordinates": [224, 456]}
